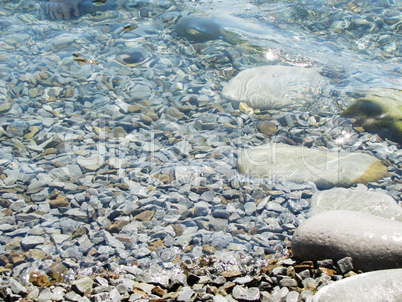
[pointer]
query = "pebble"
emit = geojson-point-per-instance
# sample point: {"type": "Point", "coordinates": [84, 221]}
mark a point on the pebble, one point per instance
{"type": "Point", "coordinates": [356, 199]}
{"type": "Point", "coordinates": [118, 172]}
{"type": "Point", "coordinates": [372, 242]}
{"type": "Point", "coordinates": [382, 285]}
{"type": "Point", "coordinates": [275, 87]}
{"type": "Point", "coordinates": [279, 162]}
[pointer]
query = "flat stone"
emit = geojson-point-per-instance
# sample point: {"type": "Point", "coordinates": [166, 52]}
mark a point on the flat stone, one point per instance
{"type": "Point", "coordinates": [246, 294]}
{"type": "Point", "coordinates": [92, 163]}
{"type": "Point", "coordinates": [145, 216]}
{"type": "Point", "coordinates": [275, 87]}
{"type": "Point", "coordinates": [186, 294]}
{"type": "Point", "coordinates": [382, 285]}
{"type": "Point", "coordinates": [83, 286]}
{"type": "Point", "coordinates": [30, 242]}
{"type": "Point", "coordinates": [267, 127]}
{"type": "Point", "coordinates": [60, 202]}
{"type": "Point", "coordinates": [16, 287]}
{"type": "Point", "coordinates": [373, 242]}
{"type": "Point", "coordinates": [356, 199]}
{"type": "Point", "coordinates": [5, 106]}
{"type": "Point", "coordinates": [280, 162]}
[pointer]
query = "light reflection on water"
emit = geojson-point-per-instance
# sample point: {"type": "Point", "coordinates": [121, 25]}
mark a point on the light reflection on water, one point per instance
{"type": "Point", "coordinates": [312, 31]}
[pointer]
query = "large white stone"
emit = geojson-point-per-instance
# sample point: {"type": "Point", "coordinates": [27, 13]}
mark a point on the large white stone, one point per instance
{"type": "Point", "coordinates": [373, 242]}
{"type": "Point", "coordinates": [356, 199]}
{"type": "Point", "coordinates": [384, 285]}
{"type": "Point", "coordinates": [281, 162]}
{"type": "Point", "coordinates": [274, 87]}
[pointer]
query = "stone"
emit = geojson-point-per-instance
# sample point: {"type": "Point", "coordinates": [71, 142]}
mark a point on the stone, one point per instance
{"type": "Point", "coordinates": [198, 28]}
{"type": "Point", "coordinates": [30, 242]}
{"type": "Point", "coordinates": [16, 287]}
{"type": "Point", "coordinates": [267, 127]}
{"type": "Point", "coordinates": [356, 199]}
{"type": "Point", "coordinates": [275, 87]}
{"type": "Point", "coordinates": [382, 285]}
{"type": "Point", "coordinates": [372, 242]}
{"type": "Point", "coordinates": [4, 106]}
{"type": "Point", "coordinates": [246, 294]}
{"type": "Point", "coordinates": [186, 294]}
{"type": "Point", "coordinates": [280, 162]}
{"type": "Point", "coordinates": [83, 286]}
{"type": "Point", "coordinates": [92, 163]}
{"type": "Point", "coordinates": [59, 202]}
{"type": "Point", "coordinates": [116, 226]}
{"type": "Point", "coordinates": [379, 111]}
{"type": "Point", "coordinates": [201, 209]}
{"type": "Point", "coordinates": [345, 265]}
{"type": "Point", "coordinates": [144, 216]}
{"type": "Point", "coordinates": [39, 279]}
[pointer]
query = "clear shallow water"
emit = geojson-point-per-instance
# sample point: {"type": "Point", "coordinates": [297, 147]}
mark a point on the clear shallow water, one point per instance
{"type": "Point", "coordinates": [343, 36]}
{"type": "Point", "coordinates": [78, 64]}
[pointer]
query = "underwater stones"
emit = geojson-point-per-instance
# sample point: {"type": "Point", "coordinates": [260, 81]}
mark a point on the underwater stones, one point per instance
{"type": "Point", "coordinates": [132, 56]}
{"type": "Point", "coordinates": [379, 111]}
{"type": "Point", "coordinates": [383, 285]}
{"type": "Point", "coordinates": [267, 127]}
{"type": "Point", "coordinates": [4, 106]}
{"type": "Point", "coordinates": [275, 87]}
{"type": "Point", "coordinates": [280, 162]}
{"type": "Point", "coordinates": [356, 199]}
{"type": "Point", "coordinates": [92, 163]}
{"type": "Point", "coordinates": [198, 28]}
{"type": "Point", "coordinates": [373, 242]}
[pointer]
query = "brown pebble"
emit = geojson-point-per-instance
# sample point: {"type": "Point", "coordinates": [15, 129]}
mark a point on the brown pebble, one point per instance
{"type": "Point", "coordinates": [134, 108]}
{"type": "Point", "coordinates": [156, 244]}
{"type": "Point", "coordinates": [116, 226]}
{"type": "Point", "coordinates": [60, 202]}
{"type": "Point", "coordinates": [178, 229]}
{"type": "Point", "coordinates": [36, 254]}
{"type": "Point", "coordinates": [144, 216]}
{"type": "Point", "coordinates": [57, 271]}
{"type": "Point", "coordinates": [188, 248]}
{"type": "Point", "coordinates": [231, 274]}
{"type": "Point", "coordinates": [165, 178]}
{"type": "Point", "coordinates": [156, 290]}
{"type": "Point", "coordinates": [147, 120]}
{"type": "Point", "coordinates": [253, 231]}
{"type": "Point", "coordinates": [122, 186]}
{"type": "Point", "coordinates": [208, 249]}
{"type": "Point", "coordinates": [267, 127]}
{"type": "Point", "coordinates": [145, 103]}
{"type": "Point", "coordinates": [350, 274]}
{"type": "Point", "coordinates": [4, 203]}
{"type": "Point", "coordinates": [38, 279]}
{"type": "Point", "coordinates": [119, 132]}
{"type": "Point", "coordinates": [326, 271]}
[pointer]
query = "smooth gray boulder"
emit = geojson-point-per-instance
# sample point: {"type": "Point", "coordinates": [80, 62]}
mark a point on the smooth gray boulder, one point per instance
{"type": "Point", "coordinates": [280, 162]}
{"type": "Point", "coordinates": [275, 87]}
{"type": "Point", "coordinates": [373, 242]}
{"type": "Point", "coordinates": [356, 199]}
{"type": "Point", "coordinates": [384, 285]}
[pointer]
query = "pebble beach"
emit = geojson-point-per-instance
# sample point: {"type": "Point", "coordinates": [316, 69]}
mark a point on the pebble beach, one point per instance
{"type": "Point", "coordinates": [201, 151]}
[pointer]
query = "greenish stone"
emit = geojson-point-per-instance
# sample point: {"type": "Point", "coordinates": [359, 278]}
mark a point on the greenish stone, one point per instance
{"type": "Point", "coordinates": [379, 111]}
{"type": "Point", "coordinates": [198, 28]}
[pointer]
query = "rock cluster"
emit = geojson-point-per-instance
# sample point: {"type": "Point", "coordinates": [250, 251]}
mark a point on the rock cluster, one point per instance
{"type": "Point", "coordinates": [280, 280]}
